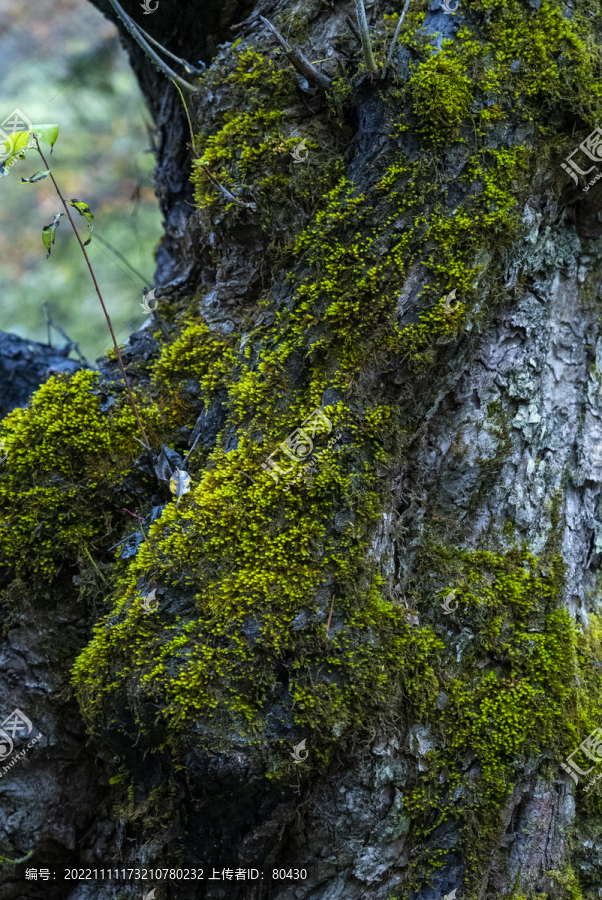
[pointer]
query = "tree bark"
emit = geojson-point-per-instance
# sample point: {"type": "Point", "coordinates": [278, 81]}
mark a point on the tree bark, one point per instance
{"type": "Point", "coordinates": [427, 277]}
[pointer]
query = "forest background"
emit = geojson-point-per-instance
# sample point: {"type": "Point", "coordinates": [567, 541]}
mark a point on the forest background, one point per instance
{"type": "Point", "coordinates": [62, 62]}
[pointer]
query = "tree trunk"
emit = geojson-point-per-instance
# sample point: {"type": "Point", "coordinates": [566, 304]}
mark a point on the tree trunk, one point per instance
{"type": "Point", "coordinates": [353, 657]}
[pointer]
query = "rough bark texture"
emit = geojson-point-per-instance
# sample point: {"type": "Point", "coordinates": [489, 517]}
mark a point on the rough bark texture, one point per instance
{"type": "Point", "coordinates": [468, 460]}
{"type": "Point", "coordinates": [24, 366]}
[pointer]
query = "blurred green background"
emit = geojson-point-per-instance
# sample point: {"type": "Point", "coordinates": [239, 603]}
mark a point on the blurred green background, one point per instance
{"type": "Point", "coordinates": [62, 63]}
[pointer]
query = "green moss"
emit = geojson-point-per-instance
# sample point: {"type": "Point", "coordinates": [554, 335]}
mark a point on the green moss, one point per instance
{"type": "Point", "coordinates": [441, 95]}
{"type": "Point", "coordinates": [64, 477]}
{"type": "Point", "coordinates": [249, 136]}
{"type": "Point", "coordinates": [272, 575]}
{"type": "Point", "coordinates": [564, 884]}
{"type": "Point", "coordinates": [248, 147]}
{"type": "Point", "coordinates": [557, 59]}
{"type": "Point", "coordinates": [526, 702]}
{"type": "Point", "coordinates": [197, 353]}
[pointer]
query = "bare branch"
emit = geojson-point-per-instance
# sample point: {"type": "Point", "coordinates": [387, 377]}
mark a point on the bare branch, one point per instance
{"type": "Point", "coordinates": [133, 30]}
{"type": "Point", "coordinates": [395, 36]}
{"type": "Point", "coordinates": [300, 61]}
{"type": "Point", "coordinates": [226, 192]}
{"type": "Point", "coordinates": [351, 25]}
{"type": "Point", "coordinates": [192, 70]}
{"type": "Point", "coordinates": [365, 37]}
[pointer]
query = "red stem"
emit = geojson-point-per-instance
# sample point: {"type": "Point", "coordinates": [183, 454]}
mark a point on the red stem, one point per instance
{"type": "Point", "coordinates": [104, 309]}
{"type": "Point", "coordinates": [330, 616]}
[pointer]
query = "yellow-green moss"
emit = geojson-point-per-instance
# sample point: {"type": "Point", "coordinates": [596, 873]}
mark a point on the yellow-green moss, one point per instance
{"type": "Point", "coordinates": [527, 700]}
{"type": "Point", "coordinates": [64, 477]}
{"type": "Point", "coordinates": [271, 576]}
{"type": "Point", "coordinates": [441, 95]}
{"type": "Point", "coordinates": [250, 135]}
{"type": "Point", "coordinates": [197, 353]}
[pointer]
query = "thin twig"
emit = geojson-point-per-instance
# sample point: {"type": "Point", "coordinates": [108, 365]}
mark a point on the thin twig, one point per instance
{"type": "Point", "coordinates": [102, 303]}
{"type": "Point", "coordinates": [119, 542]}
{"type": "Point", "coordinates": [192, 70]}
{"type": "Point", "coordinates": [94, 564]}
{"type": "Point", "coordinates": [147, 542]}
{"type": "Point", "coordinates": [133, 515]}
{"type": "Point", "coordinates": [330, 616]}
{"type": "Point", "coordinates": [140, 521]}
{"type": "Point", "coordinates": [133, 30]}
{"type": "Point", "coordinates": [226, 192]}
{"type": "Point", "coordinates": [362, 25]}
{"type": "Point", "coordinates": [188, 117]}
{"type": "Point", "coordinates": [190, 451]}
{"type": "Point", "coordinates": [299, 60]}
{"type": "Point", "coordinates": [395, 36]}
{"type": "Point", "coordinates": [16, 862]}
{"type": "Point", "coordinates": [45, 308]}
{"type": "Point", "coordinates": [71, 344]}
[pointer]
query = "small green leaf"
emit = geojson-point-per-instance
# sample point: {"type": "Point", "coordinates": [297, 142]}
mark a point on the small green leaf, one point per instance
{"type": "Point", "coordinates": [84, 210]}
{"type": "Point", "coordinates": [46, 133]}
{"type": "Point", "coordinates": [16, 142]}
{"type": "Point", "coordinates": [37, 177]}
{"type": "Point", "coordinates": [13, 148]}
{"type": "Point", "coordinates": [49, 233]}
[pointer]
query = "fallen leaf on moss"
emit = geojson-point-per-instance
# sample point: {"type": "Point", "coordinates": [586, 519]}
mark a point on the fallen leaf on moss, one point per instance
{"type": "Point", "coordinates": [179, 484]}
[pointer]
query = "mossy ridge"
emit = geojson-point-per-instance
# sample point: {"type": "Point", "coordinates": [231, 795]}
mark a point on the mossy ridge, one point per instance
{"type": "Point", "coordinates": [273, 576]}
{"type": "Point", "coordinates": [516, 61]}
{"type": "Point", "coordinates": [246, 146]}
{"type": "Point", "coordinates": [197, 353]}
{"type": "Point", "coordinates": [553, 40]}
{"type": "Point", "coordinates": [67, 467]}
{"type": "Point", "coordinates": [494, 721]}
